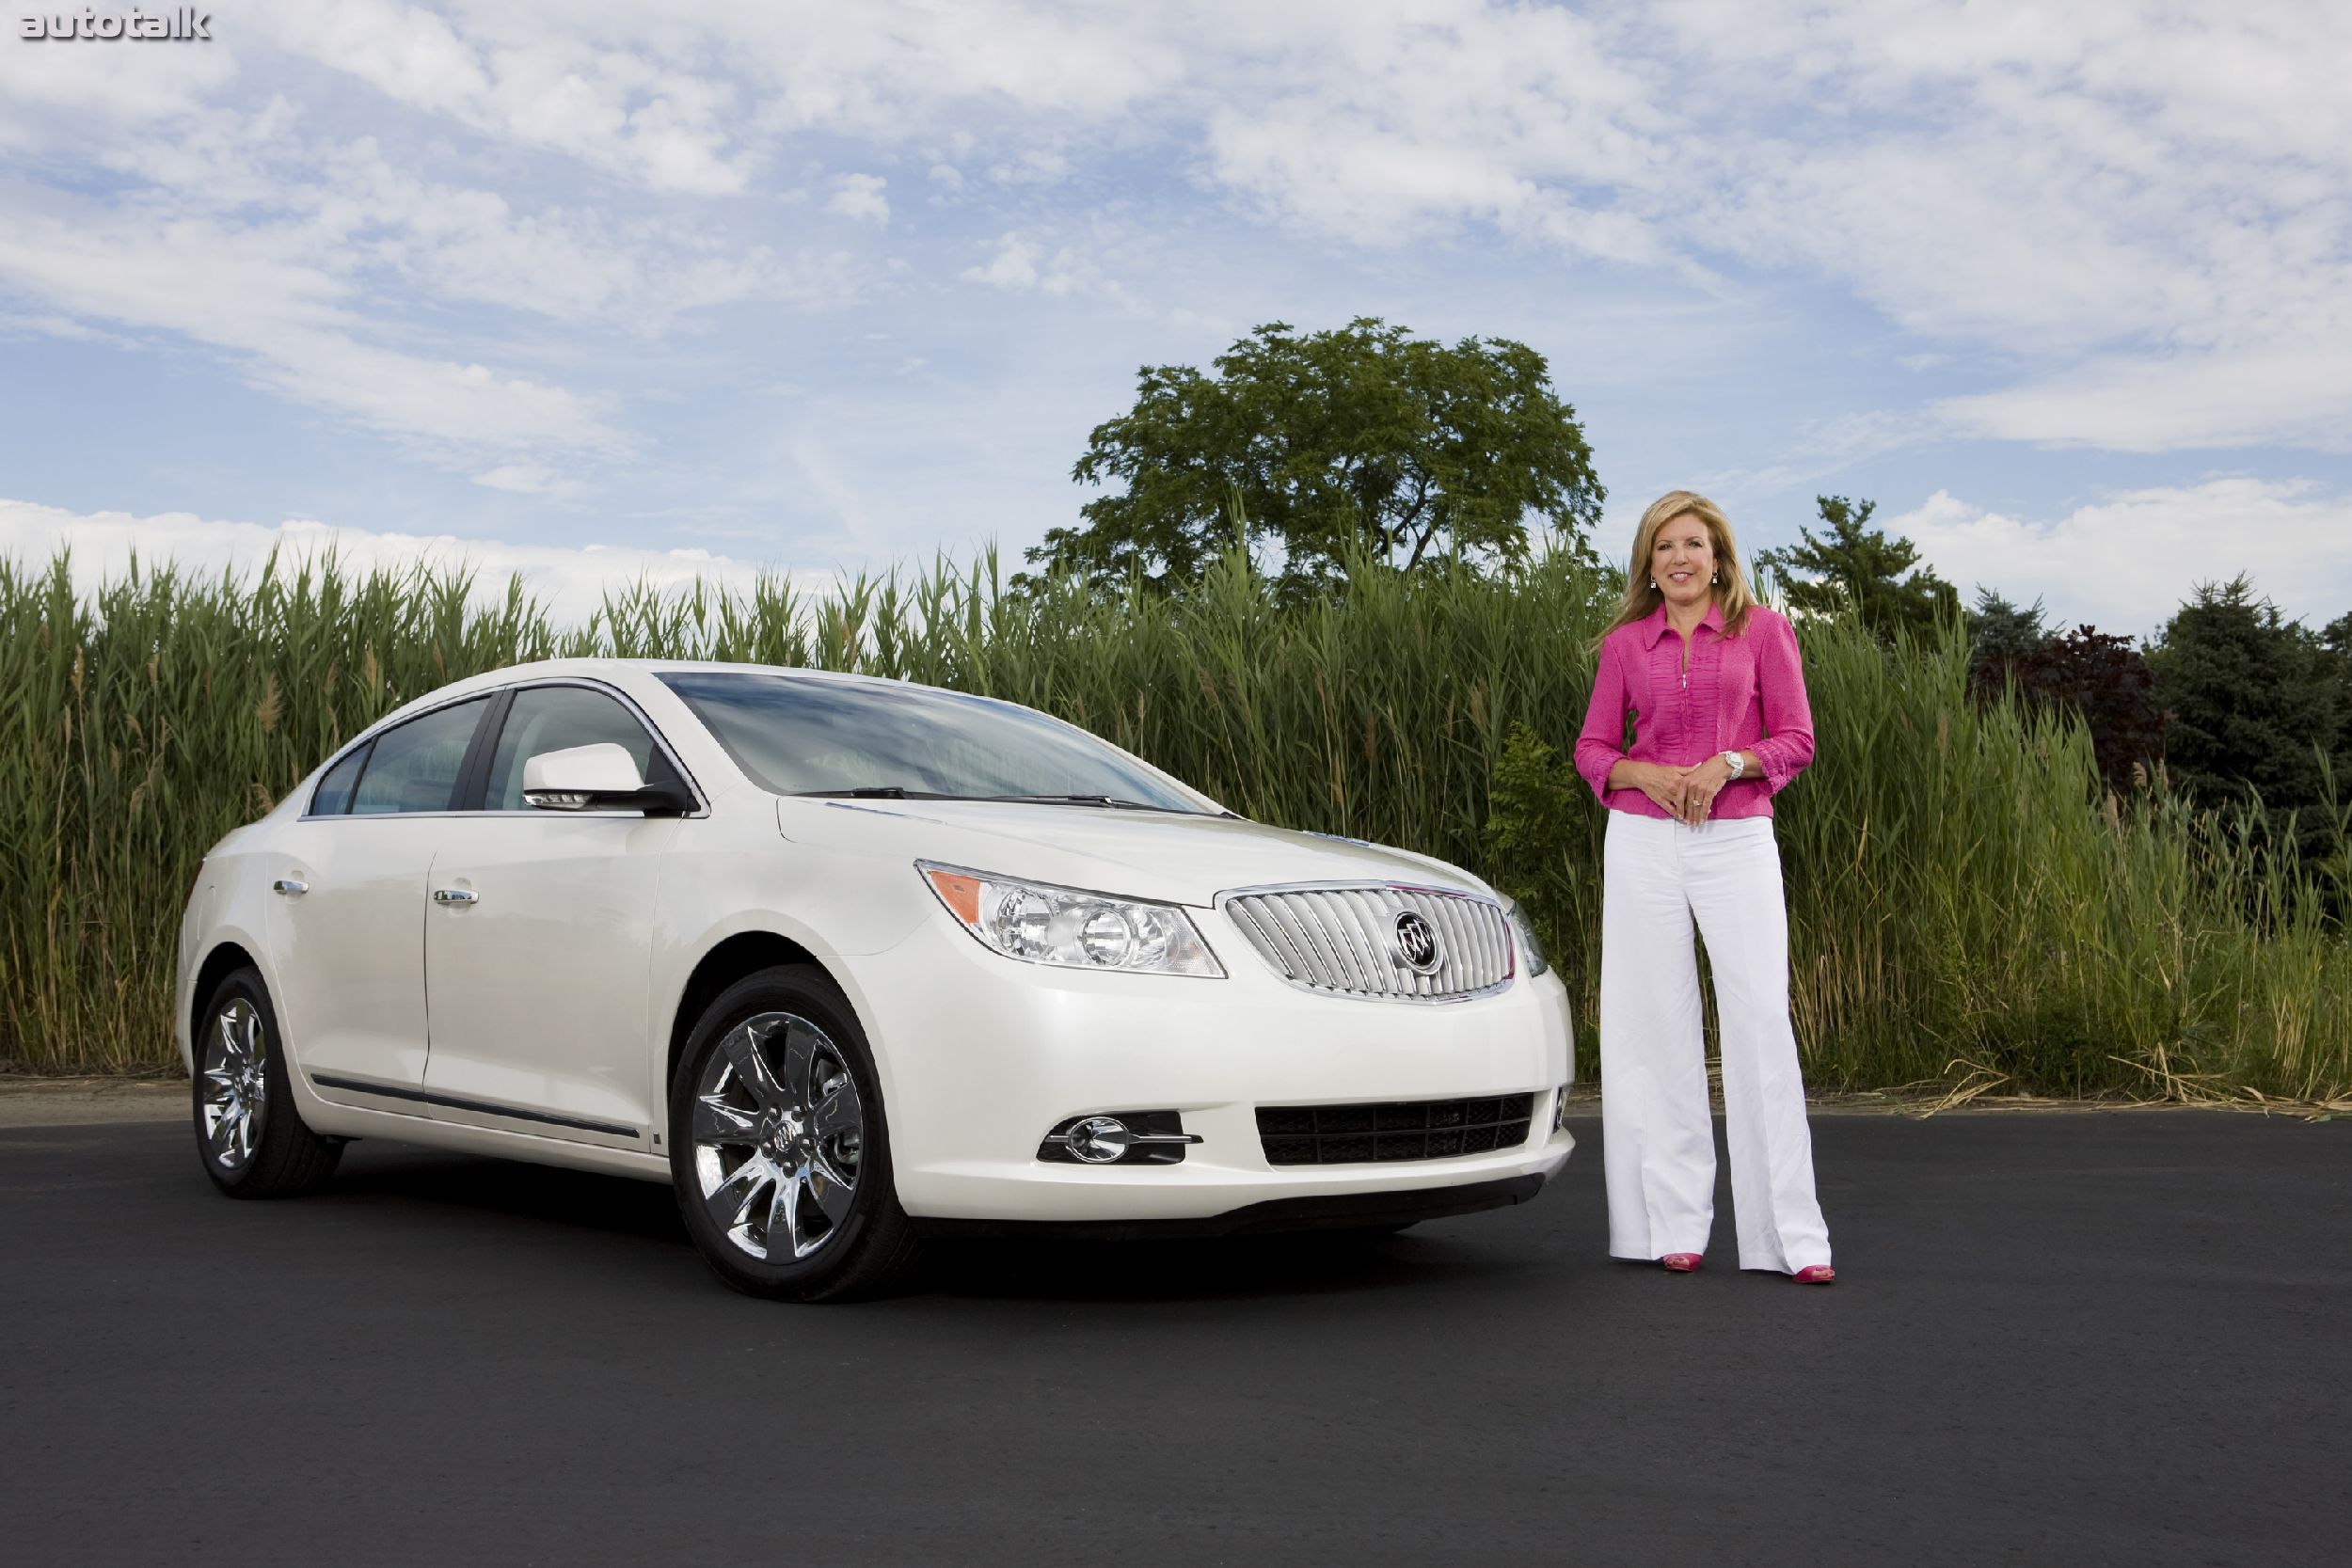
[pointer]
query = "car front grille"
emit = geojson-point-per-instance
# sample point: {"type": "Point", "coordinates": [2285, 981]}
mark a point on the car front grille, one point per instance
{"type": "Point", "coordinates": [1402, 1130]}
{"type": "Point", "coordinates": [1345, 941]}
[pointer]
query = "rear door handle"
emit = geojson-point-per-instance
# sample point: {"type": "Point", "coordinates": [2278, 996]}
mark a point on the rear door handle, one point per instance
{"type": "Point", "coordinates": [290, 887]}
{"type": "Point", "coordinates": [456, 895]}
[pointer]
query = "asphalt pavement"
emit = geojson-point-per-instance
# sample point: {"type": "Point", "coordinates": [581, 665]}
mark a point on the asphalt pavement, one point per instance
{"type": "Point", "coordinates": [2059, 1337]}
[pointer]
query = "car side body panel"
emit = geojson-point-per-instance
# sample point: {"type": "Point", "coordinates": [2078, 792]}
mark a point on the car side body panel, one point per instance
{"type": "Point", "coordinates": [552, 894]}
{"type": "Point", "coordinates": [351, 947]}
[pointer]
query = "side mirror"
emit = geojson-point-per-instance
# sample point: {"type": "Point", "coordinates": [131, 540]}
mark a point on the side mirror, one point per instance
{"type": "Point", "coordinates": [594, 778]}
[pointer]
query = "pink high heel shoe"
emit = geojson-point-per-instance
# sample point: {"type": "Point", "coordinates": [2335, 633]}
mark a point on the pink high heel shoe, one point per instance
{"type": "Point", "coordinates": [1682, 1262]}
{"type": "Point", "coordinates": [1816, 1274]}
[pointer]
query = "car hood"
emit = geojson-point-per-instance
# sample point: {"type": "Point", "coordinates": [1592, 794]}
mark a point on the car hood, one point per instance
{"type": "Point", "coordinates": [1140, 854]}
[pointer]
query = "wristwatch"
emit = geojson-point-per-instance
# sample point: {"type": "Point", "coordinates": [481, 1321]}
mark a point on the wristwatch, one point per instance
{"type": "Point", "coordinates": [1738, 763]}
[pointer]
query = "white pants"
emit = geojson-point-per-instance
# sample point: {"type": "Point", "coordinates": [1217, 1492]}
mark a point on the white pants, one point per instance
{"type": "Point", "coordinates": [1657, 1136]}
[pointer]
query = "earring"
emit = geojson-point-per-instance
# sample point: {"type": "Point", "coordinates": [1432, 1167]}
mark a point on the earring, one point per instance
{"type": "Point", "coordinates": [1716, 577]}
{"type": "Point", "coordinates": [1653, 585]}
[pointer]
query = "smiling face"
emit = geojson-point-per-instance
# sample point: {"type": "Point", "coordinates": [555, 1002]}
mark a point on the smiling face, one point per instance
{"type": "Point", "coordinates": [1682, 561]}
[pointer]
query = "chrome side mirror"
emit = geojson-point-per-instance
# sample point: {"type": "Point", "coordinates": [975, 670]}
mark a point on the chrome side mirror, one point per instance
{"type": "Point", "coordinates": [584, 778]}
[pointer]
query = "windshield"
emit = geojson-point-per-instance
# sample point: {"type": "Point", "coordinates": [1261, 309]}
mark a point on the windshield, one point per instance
{"type": "Point", "coordinates": [816, 737]}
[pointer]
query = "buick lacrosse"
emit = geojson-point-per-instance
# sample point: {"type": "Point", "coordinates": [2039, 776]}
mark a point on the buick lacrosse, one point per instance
{"type": "Point", "coordinates": [850, 962]}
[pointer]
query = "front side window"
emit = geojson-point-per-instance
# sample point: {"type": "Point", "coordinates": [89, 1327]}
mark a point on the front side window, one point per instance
{"type": "Point", "coordinates": [415, 765]}
{"type": "Point", "coordinates": [801, 735]}
{"type": "Point", "coordinates": [545, 719]}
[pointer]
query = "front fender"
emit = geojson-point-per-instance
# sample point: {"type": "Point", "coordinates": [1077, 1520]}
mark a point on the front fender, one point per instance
{"type": "Point", "coordinates": [837, 907]}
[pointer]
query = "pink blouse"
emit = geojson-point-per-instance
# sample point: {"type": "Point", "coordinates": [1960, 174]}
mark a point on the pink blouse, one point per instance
{"type": "Point", "coordinates": [1740, 693]}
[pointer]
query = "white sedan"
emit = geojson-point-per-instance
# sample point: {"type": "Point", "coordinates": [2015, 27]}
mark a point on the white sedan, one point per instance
{"type": "Point", "coordinates": [850, 962]}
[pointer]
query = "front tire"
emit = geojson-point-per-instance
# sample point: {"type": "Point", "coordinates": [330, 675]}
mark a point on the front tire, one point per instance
{"type": "Point", "coordinates": [248, 1132]}
{"type": "Point", "coordinates": [779, 1150]}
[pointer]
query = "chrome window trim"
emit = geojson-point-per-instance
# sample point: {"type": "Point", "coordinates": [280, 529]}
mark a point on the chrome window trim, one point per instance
{"type": "Point", "coordinates": [382, 726]}
{"type": "Point", "coordinates": [367, 737]}
{"type": "Point", "coordinates": [1511, 969]}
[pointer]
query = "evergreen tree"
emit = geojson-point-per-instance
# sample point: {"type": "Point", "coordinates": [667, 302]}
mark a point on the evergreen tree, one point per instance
{"type": "Point", "coordinates": [1854, 566]}
{"type": "Point", "coordinates": [1999, 635]}
{"type": "Point", "coordinates": [2336, 637]}
{"type": "Point", "coordinates": [2256, 701]}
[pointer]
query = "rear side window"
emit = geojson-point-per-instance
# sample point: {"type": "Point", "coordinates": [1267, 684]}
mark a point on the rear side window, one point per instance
{"type": "Point", "coordinates": [545, 719]}
{"type": "Point", "coordinates": [333, 796]}
{"type": "Point", "coordinates": [415, 767]}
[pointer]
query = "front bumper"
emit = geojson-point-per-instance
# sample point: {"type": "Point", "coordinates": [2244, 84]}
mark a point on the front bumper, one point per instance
{"type": "Point", "coordinates": [980, 1055]}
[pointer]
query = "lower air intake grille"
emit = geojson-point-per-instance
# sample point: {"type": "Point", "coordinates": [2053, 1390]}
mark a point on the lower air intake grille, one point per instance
{"type": "Point", "coordinates": [1404, 1130]}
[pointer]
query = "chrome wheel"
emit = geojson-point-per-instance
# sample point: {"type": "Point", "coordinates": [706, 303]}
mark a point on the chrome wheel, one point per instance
{"type": "Point", "coordinates": [234, 1089]}
{"type": "Point", "coordinates": [778, 1130]}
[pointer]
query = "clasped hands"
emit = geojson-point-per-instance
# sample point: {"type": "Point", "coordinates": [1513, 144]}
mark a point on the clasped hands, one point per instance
{"type": "Point", "coordinates": [1687, 793]}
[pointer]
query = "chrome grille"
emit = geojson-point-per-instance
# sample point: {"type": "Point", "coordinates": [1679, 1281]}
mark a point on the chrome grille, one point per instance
{"type": "Point", "coordinates": [1342, 940]}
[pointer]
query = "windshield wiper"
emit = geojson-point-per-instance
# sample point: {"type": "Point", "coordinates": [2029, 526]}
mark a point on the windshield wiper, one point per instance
{"type": "Point", "coordinates": [1111, 802]}
{"type": "Point", "coordinates": [900, 792]}
{"type": "Point", "coordinates": [876, 792]}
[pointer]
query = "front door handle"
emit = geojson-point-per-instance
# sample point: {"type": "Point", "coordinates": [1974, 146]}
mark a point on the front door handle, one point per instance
{"type": "Point", "coordinates": [290, 887]}
{"type": "Point", "coordinates": [456, 895]}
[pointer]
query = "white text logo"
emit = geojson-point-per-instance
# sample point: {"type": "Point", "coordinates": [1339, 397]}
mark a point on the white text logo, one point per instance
{"type": "Point", "coordinates": [180, 25]}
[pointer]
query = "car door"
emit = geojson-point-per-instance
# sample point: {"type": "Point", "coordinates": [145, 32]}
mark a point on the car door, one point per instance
{"type": "Point", "coordinates": [538, 942]}
{"type": "Point", "coordinates": [346, 921]}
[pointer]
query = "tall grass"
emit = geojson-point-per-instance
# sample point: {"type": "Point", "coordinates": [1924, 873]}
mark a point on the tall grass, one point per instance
{"type": "Point", "coordinates": [1962, 911]}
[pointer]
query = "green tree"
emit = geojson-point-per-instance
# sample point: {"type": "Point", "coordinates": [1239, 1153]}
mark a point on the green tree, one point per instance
{"type": "Point", "coordinates": [2000, 634]}
{"type": "Point", "coordinates": [2336, 637]}
{"type": "Point", "coordinates": [1855, 566]}
{"type": "Point", "coordinates": [2257, 705]}
{"type": "Point", "coordinates": [1364, 439]}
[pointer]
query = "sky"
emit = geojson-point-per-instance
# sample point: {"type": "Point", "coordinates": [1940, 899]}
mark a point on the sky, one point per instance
{"type": "Point", "coordinates": [598, 290]}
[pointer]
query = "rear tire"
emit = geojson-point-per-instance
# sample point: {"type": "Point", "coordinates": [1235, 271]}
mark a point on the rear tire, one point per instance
{"type": "Point", "coordinates": [779, 1146]}
{"type": "Point", "coordinates": [248, 1132]}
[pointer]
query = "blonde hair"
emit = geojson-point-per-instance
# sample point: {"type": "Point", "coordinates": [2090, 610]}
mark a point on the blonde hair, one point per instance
{"type": "Point", "coordinates": [1732, 593]}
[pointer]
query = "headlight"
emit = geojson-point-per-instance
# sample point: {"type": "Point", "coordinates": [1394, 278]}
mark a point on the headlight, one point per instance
{"type": "Point", "coordinates": [1071, 929]}
{"type": "Point", "coordinates": [1525, 930]}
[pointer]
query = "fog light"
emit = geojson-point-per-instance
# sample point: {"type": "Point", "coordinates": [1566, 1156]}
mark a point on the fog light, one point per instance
{"type": "Point", "coordinates": [1099, 1140]}
{"type": "Point", "coordinates": [1560, 1109]}
{"type": "Point", "coordinates": [1118, 1138]}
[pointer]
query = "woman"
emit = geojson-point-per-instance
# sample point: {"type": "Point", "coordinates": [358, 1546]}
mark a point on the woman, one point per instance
{"type": "Point", "coordinates": [1712, 681]}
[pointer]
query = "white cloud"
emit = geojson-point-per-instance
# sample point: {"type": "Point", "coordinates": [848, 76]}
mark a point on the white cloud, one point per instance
{"type": "Point", "coordinates": [1034, 166]}
{"type": "Point", "coordinates": [530, 479]}
{"type": "Point", "coordinates": [1386, 123]}
{"type": "Point", "coordinates": [2124, 224]}
{"type": "Point", "coordinates": [571, 582]}
{"type": "Point", "coordinates": [49, 91]}
{"type": "Point", "coordinates": [1023, 264]}
{"type": "Point", "coordinates": [624, 104]}
{"type": "Point", "coordinates": [2123, 563]}
{"type": "Point", "coordinates": [1824, 448]}
{"type": "Point", "coordinates": [2138, 208]}
{"type": "Point", "coordinates": [249, 292]}
{"type": "Point", "coordinates": [860, 196]}
{"type": "Point", "coordinates": [2298, 394]}
{"type": "Point", "coordinates": [1013, 266]}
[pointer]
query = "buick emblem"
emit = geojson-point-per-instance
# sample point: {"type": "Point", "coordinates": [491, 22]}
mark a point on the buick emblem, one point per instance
{"type": "Point", "coordinates": [1417, 942]}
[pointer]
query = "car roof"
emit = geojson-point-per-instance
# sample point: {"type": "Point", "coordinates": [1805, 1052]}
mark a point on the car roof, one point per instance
{"type": "Point", "coordinates": [658, 666]}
